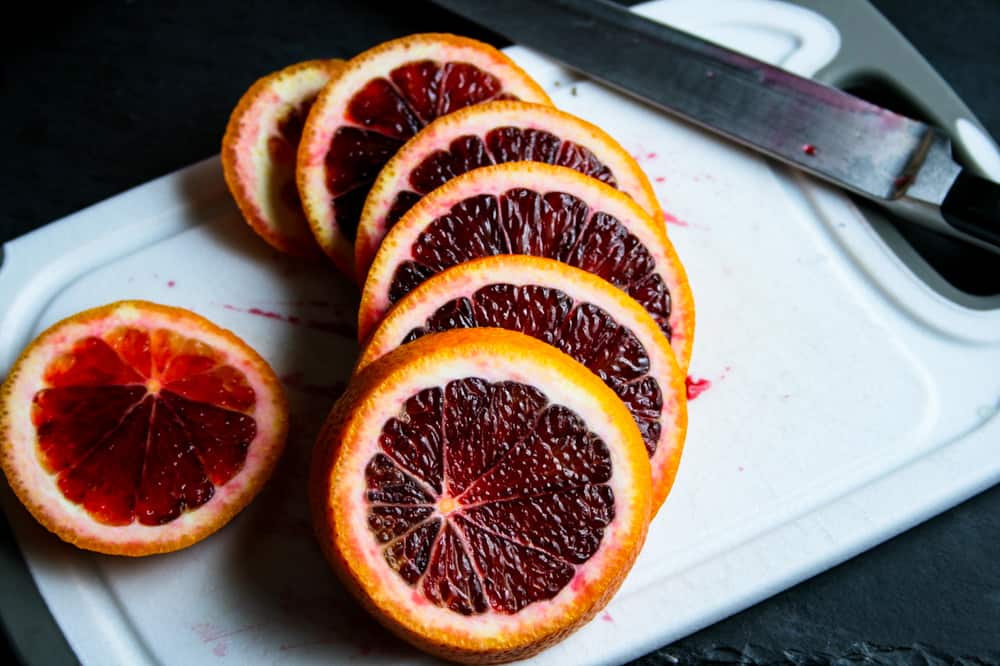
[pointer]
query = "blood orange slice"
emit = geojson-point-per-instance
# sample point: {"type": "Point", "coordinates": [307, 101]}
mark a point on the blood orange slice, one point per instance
{"type": "Point", "coordinates": [137, 428]}
{"type": "Point", "coordinates": [482, 493]}
{"type": "Point", "coordinates": [379, 100]}
{"type": "Point", "coordinates": [576, 312]}
{"type": "Point", "coordinates": [258, 153]}
{"type": "Point", "coordinates": [493, 133]}
{"type": "Point", "coordinates": [541, 210]}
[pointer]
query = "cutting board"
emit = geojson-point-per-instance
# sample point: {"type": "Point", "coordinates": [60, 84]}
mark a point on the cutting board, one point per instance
{"type": "Point", "coordinates": [848, 399]}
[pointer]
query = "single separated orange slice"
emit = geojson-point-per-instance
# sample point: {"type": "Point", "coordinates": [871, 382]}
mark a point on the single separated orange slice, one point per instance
{"type": "Point", "coordinates": [540, 210]}
{"type": "Point", "coordinates": [381, 98]}
{"type": "Point", "coordinates": [258, 153]}
{"type": "Point", "coordinates": [572, 310]}
{"type": "Point", "coordinates": [137, 428]}
{"type": "Point", "coordinates": [493, 133]}
{"type": "Point", "coordinates": [482, 493]}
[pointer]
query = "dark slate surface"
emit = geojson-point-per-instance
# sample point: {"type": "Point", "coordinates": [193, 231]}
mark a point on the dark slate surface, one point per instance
{"type": "Point", "coordinates": [100, 97]}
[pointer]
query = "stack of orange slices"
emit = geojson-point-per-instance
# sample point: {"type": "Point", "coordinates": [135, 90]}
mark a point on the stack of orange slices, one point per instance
{"type": "Point", "coordinates": [518, 412]}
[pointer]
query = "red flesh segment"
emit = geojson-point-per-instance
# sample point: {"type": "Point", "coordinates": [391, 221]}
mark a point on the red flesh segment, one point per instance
{"type": "Point", "coordinates": [554, 225]}
{"type": "Point", "coordinates": [528, 481]}
{"type": "Point", "coordinates": [503, 144]}
{"type": "Point", "coordinates": [388, 111]}
{"type": "Point", "coordinates": [584, 331]}
{"type": "Point", "coordinates": [142, 426]}
{"type": "Point", "coordinates": [282, 147]}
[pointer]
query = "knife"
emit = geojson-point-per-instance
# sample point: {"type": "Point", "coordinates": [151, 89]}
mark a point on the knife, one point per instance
{"type": "Point", "coordinates": [895, 161]}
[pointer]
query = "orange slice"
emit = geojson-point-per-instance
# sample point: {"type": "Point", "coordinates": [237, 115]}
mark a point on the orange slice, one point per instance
{"type": "Point", "coordinates": [258, 153]}
{"type": "Point", "coordinates": [137, 428]}
{"type": "Point", "coordinates": [379, 100]}
{"type": "Point", "coordinates": [540, 210]}
{"type": "Point", "coordinates": [486, 134]}
{"type": "Point", "coordinates": [572, 310]}
{"type": "Point", "coordinates": [482, 493]}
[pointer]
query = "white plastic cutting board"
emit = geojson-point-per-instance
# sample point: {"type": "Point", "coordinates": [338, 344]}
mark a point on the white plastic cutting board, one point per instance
{"type": "Point", "coordinates": [849, 401]}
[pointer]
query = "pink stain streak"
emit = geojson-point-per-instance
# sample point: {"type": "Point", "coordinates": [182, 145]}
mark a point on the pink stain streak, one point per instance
{"type": "Point", "coordinates": [171, 283]}
{"type": "Point", "coordinates": [345, 328]}
{"type": "Point", "coordinates": [650, 156]}
{"type": "Point", "coordinates": [670, 219]}
{"type": "Point", "coordinates": [696, 387]}
{"type": "Point", "coordinates": [606, 616]}
{"type": "Point", "coordinates": [210, 633]}
{"type": "Point", "coordinates": [660, 179]}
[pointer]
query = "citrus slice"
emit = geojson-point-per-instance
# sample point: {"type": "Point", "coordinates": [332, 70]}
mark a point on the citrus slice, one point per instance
{"type": "Point", "coordinates": [493, 133]}
{"type": "Point", "coordinates": [482, 493]}
{"type": "Point", "coordinates": [258, 153]}
{"type": "Point", "coordinates": [137, 428]}
{"type": "Point", "coordinates": [379, 100]}
{"type": "Point", "coordinates": [541, 210]}
{"type": "Point", "coordinates": [576, 312]}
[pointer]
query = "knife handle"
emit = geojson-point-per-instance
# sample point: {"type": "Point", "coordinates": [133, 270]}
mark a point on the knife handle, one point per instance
{"type": "Point", "coordinates": [873, 55]}
{"type": "Point", "coordinates": [973, 207]}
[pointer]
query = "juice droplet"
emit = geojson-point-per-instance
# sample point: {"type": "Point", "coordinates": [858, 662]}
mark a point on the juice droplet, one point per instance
{"type": "Point", "coordinates": [809, 149]}
{"type": "Point", "coordinates": [696, 387]}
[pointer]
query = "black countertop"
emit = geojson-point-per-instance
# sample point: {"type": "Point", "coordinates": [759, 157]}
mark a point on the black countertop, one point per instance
{"type": "Point", "coordinates": [100, 97]}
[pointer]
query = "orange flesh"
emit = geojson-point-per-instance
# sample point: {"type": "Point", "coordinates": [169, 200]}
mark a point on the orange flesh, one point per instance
{"type": "Point", "coordinates": [142, 425]}
{"type": "Point", "coordinates": [500, 145]}
{"type": "Point", "coordinates": [486, 497]}
{"type": "Point", "coordinates": [282, 147]}
{"type": "Point", "coordinates": [388, 111]}
{"type": "Point", "coordinates": [556, 225]}
{"type": "Point", "coordinates": [583, 330]}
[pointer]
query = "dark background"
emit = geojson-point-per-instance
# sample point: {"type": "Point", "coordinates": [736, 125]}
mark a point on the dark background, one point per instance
{"type": "Point", "coordinates": [100, 97]}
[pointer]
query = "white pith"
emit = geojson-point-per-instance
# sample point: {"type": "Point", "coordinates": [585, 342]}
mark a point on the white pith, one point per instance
{"type": "Point", "coordinates": [254, 165]}
{"type": "Point", "coordinates": [22, 443]}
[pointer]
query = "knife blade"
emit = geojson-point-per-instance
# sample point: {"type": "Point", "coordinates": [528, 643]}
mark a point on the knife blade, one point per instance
{"type": "Point", "coordinates": [898, 162]}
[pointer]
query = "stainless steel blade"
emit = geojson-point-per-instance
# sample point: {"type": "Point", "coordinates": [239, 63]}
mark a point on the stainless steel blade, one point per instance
{"type": "Point", "coordinates": [824, 131]}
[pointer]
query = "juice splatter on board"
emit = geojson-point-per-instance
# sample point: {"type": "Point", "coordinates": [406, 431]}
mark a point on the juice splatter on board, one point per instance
{"type": "Point", "coordinates": [696, 387]}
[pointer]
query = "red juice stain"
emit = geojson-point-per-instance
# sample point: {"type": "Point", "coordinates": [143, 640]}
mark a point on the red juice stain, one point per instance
{"type": "Point", "coordinates": [809, 149]}
{"type": "Point", "coordinates": [220, 649]}
{"type": "Point", "coordinates": [660, 179]}
{"type": "Point", "coordinates": [676, 221]}
{"type": "Point", "coordinates": [207, 631]}
{"type": "Point", "coordinates": [650, 156]}
{"type": "Point", "coordinates": [265, 313]}
{"type": "Point", "coordinates": [346, 327]}
{"type": "Point", "coordinates": [606, 616]}
{"type": "Point", "coordinates": [696, 387]}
